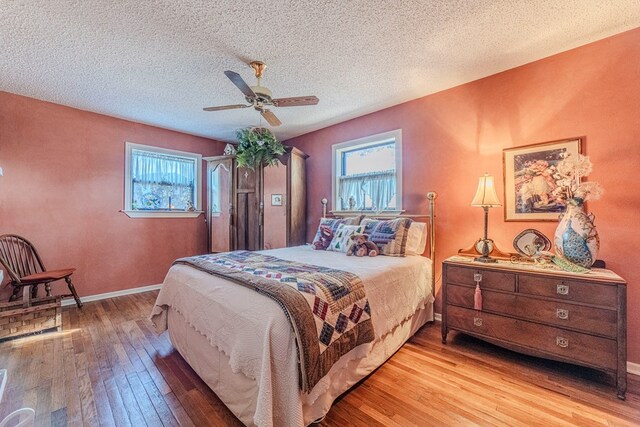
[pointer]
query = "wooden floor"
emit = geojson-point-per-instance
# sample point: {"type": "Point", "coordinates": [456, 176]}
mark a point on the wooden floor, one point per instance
{"type": "Point", "coordinates": [109, 368]}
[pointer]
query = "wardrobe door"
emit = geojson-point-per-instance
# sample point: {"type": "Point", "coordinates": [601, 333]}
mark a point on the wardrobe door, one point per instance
{"type": "Point", "coordinates": [297, 190]}
{"type": "Point", "coordinates": [248, 210]}
{"type": "Point", "coordinates": [275, 206]}
{"type": "Point", "coordinates": [219, 207]}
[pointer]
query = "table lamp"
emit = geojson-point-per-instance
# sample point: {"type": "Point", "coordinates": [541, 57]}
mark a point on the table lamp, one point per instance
{"type": "Point", "coordinates": [486, 198]}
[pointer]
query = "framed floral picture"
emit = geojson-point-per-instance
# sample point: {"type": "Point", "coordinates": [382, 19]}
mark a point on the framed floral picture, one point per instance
{"type": "Point", "coordinates": [530, 179]}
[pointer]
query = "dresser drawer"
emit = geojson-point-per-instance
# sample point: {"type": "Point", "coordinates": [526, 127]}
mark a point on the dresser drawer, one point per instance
{"type": "Point", "coordinates": [573, 346]}
{"type": "Point", "coordinates": [572, 316]}
{"type": "Point", "coordinates": [593, 293]}
{"type": "Point", "coordinates": [490, 279]}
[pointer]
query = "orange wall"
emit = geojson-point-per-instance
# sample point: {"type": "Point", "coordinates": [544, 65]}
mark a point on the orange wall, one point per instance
{"type": "Point", "coordinates": [452, 137]}
{"type": "Point", "coordinates": [63, 186]}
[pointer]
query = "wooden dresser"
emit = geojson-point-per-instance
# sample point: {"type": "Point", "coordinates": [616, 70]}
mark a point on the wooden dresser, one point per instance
{"type": "Point", "coordinates": [570, 317]}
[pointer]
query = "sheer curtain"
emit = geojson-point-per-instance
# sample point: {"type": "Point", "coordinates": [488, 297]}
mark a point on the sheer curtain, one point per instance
{"type": "Point", "coordinates": [382, 188]}
{"type": "Point", "coordinates": [162, 181]}
{"type": "Point", "coordinates": [379, 187]}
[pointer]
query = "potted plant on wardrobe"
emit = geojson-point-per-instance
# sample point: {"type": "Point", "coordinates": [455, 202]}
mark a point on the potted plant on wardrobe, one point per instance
{"type": "Point", "coordinates": [257, 146]}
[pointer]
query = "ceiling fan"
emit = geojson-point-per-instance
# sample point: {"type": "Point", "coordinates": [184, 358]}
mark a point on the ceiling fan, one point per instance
{"type": "Point", "coordinates": [259, 96]}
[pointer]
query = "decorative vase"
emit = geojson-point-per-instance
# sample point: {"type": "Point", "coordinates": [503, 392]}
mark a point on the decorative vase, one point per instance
{"type": "Point", "coordinates": [576, 237]}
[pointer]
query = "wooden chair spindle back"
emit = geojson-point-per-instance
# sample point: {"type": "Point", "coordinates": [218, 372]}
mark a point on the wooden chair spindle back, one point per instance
{"type": "Point", "coordinates": [18, 257]}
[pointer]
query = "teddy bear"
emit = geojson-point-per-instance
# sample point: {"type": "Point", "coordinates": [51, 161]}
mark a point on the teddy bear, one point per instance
{"type": "Point", "coordinates": [361, 246]}
{"type": "Point", "coordinates": [326, 235]}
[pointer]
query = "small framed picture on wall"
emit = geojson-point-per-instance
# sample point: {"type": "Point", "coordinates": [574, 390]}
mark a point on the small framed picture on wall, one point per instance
{"type": "Point", "coordinates": [276, 200]}
{"type": "Point", "coordinates": [530, 178]}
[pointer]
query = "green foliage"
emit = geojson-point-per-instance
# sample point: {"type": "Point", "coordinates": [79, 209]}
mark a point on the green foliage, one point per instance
{"type": "Point", "coordinates": [257, 146]}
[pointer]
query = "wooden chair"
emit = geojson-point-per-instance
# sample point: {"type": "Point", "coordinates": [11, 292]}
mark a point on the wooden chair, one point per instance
{"type": "Point", "coordinates": [25, 268]}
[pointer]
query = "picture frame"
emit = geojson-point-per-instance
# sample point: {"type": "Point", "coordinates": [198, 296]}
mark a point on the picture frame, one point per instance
{"type": "Point", "coordinates": [529, 181]}
{"type": "Point", "coordinates": [276, 200]}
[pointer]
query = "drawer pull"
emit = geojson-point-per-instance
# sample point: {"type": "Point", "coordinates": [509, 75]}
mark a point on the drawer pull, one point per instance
{"type": "Point", "coordinates": [477, 321]}
{"type": "Point", "coordinates": [562, 290]}
{"type": "Point", "coordinates": [561, 313]}
{"type": "Point", "coordinates": [562, 342]}
{"type": "Point", "coordinates": [477, 277]}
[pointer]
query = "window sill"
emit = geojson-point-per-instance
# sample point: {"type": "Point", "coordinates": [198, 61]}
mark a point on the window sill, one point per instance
{"type": "Point", "coordinates": [162, 214]}
{"type": "Point", "coordinates": [383, 214]}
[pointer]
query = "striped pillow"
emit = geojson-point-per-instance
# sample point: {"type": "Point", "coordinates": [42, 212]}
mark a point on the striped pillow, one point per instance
{"type": "Point", "coordinates": [389, 235]}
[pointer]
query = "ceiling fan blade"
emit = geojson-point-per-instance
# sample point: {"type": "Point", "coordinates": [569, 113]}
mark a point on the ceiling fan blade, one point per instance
{"type": "Point", "coordinates": [236, 79]}
{"type": "Point", "coordinates": [295, 101]}
{"type": "Point", "coordinates": [270, 118]}
{"type": "Point", "coordinates": [226, 107]}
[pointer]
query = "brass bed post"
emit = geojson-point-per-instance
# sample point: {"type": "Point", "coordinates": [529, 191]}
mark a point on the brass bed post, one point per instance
{"type": "Point", "coordinates": [431, 195]}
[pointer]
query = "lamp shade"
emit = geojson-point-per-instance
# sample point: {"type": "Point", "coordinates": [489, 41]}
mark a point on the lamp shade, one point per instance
{"type": "Point", "coordinates": [486, 193]}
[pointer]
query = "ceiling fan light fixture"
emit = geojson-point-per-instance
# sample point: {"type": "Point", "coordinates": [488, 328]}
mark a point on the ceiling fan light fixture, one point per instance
{"type": "Point", "coordinates": [261, 90]}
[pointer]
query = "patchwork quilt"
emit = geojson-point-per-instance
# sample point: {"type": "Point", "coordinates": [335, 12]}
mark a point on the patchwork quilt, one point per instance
{"type": "Point", "coordinates": [327, 308]}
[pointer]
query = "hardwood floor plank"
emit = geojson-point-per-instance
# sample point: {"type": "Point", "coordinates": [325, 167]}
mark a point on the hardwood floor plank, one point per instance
{"type": "Point", "coordinates": [87, 402]}
{"type": "Point", "coordinates": [128, 398]}
{"type": "Point", "coordinates": [178, 410]}
{"type": "Point", "coordinates": [157, 400]}
{"type": "Point", "coordinates": [43, 405]}
{"type": "Point", "coordinates": [144, 403]}
{"type": "Point", "coordinates": [108, 367]}
{"type": "Point", "coordinates": [59, 418]}
{"type": "Point", "coordinates": [137, 340]}
{"type": "Point", "coordinates": [101, 400]}
{"type": "Point", "coordinates": [118, 410]}
{"type": "Point", "coordinates": [73, 410]}
{"type": "Point", "coordinates": [57, 381]}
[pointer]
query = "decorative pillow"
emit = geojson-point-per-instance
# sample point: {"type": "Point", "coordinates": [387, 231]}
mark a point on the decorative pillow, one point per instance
{"type": "Point", "coordinates": [326, 235]}
{"type": "Point", "coordinates": [390, 236]}
{"type": "Point", "coordinates": [342, 238]}
{"type": "Point", "coordinates": [333, 224]}
{"type": "Point", "coordinates": [417, 238]}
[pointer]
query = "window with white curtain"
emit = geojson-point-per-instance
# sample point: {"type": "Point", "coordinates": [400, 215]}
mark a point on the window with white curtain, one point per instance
{"type": "Point", "coordinates": [161, 182]}
{"type": "Point", "coordinates": [367, 173]}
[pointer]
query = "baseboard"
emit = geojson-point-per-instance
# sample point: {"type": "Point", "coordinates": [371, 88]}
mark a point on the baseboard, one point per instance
{"type": "Point", "coordinates": [632, 368]}
{"type": "Point", "coordinates": [97, 297]}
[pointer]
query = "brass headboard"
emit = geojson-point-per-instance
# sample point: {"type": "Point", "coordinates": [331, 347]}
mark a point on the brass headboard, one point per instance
{"type": "Point", "coordinates": [431, 196]}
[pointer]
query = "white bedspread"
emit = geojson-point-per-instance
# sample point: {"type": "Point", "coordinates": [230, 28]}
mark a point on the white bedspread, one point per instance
{"type": "Point", "coordinates": [254, 333]}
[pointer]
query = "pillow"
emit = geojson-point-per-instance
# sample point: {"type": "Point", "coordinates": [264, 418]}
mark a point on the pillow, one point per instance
{"type": "Point", "coordinates": [326, 236]}
{"type": "Point", "coordinates": [333, 224]}
{"type": "Point", "coordinates": [390, 236]}
{"type": "Point", "coordinates": [342, 239]}
{"type": "Point", "coordinates": [417, 238]}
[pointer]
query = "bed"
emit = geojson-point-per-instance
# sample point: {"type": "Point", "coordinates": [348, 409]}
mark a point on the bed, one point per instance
{"type": "Point", "coordinates": [242, 344]}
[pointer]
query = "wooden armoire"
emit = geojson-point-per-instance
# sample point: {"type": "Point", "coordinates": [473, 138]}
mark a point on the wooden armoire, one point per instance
{"type": "Point", "coordinates": [256, 209]}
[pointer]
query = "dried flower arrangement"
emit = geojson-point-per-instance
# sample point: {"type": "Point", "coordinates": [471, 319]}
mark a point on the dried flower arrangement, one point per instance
{"type": "Point", "coordinates": [568, 174]}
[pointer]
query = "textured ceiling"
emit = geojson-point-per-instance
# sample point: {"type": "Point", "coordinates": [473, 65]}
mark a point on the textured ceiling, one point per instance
{"type": "Point", "coordinates": [159, 62]}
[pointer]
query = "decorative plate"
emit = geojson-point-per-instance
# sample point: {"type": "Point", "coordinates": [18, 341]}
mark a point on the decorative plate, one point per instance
{"type": "Point", "coordinates": [530, 242]}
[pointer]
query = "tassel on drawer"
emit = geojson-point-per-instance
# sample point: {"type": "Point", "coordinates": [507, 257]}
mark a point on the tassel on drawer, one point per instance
{"type": "Point", "coordinates": [477, 298]}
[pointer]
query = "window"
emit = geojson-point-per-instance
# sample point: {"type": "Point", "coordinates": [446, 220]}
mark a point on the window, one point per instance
{"type": "Point", "coordinates": [367, 173]}
{"type": "Point", "coordinates": [161, 182]}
